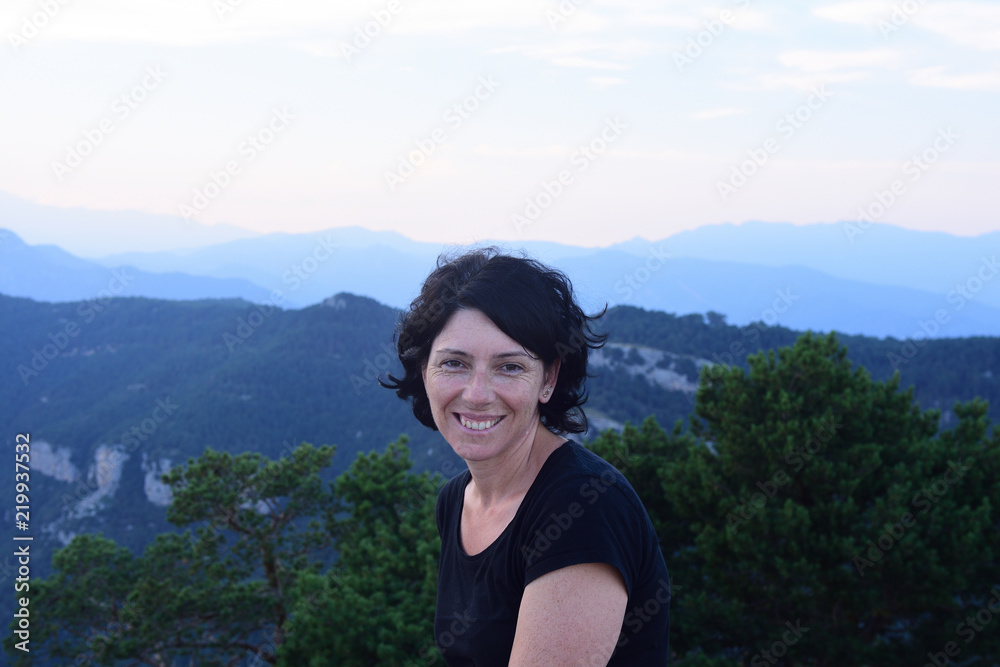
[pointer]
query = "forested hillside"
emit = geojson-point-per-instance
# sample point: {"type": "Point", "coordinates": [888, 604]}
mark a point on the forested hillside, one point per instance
{"type": "Point", "coordinates": [123, 389]}
{"type": "Point", "coordinates": [811, 516]}
{"type": "Point", "coordinates": [941, 371]}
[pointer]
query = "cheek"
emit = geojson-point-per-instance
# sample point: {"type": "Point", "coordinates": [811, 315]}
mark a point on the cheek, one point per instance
{"type": "Point", "coordinates": [440, 389]}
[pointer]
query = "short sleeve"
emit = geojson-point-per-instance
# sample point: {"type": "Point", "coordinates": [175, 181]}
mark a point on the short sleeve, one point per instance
{"type": "Point", "coordinates": [585, 520]}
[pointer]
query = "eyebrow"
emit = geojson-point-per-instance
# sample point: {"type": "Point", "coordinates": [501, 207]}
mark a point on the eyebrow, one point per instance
{"type": "Point", "coordinates": [501, 355]}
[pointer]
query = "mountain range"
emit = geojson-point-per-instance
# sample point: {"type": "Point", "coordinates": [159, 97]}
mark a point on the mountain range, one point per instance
{"type": "Point", "coordinates": [876, 280]}
{"type": "Point", "coordinates": [939, 285]}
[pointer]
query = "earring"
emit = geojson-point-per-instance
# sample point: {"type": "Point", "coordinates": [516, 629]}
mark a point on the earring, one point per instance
{"type": "Point", "coordinates": [547, 390]}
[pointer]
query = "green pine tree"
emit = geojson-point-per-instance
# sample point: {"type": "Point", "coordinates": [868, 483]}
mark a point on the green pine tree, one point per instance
{"type": "Point", "coordinates": [376, 605]}
{"type": "Point", "coordinates": [828, 521]}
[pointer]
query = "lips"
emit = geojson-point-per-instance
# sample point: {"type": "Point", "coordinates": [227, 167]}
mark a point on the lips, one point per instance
{"type": "Point", "coordinates": [479, 424]}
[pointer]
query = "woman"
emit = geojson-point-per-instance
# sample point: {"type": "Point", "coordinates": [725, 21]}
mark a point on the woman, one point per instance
{"type": "Point", "coordinates": [547, 555]}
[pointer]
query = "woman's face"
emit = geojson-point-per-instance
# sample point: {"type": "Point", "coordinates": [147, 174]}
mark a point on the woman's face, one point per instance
{"type": "Point", "coordinates": [484, 387]}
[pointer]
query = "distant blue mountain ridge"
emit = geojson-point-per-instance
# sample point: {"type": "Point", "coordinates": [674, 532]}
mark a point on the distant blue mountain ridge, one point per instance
{"type": "Point", "coordinates": [108, 232]}
{"type": "Point", "coordinates": [48, 273]}
{"type": "Point", "coordinates": [882, 254]}
{"type": "Point", "coordinates": [802, 277]}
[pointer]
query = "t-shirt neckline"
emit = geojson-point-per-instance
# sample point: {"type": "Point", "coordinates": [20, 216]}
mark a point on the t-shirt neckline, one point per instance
{"type": "Point", "coordinates": [520, 508]}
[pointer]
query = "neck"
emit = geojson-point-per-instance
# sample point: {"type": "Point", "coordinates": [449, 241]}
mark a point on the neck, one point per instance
{"type": "Point", "coordinates": [511, 474]}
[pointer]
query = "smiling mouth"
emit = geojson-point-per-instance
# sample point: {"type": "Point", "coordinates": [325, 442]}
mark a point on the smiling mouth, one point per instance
{"type": "Point", "coordinates": [475, 425]}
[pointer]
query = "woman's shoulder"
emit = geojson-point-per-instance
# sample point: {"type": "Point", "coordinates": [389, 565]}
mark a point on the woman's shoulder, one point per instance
{"type": "Point", "coordinates": [577, 471]}
{"type": "Point", "coordinates": [576, 461]}
{"type": "Point", "coordinates": [583, 510]}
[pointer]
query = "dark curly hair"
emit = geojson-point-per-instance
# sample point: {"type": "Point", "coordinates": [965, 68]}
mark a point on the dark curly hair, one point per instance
{"type": "Point", "coordinates": [528, 301]}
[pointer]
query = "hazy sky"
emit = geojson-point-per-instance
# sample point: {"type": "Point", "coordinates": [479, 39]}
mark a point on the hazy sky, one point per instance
{"type": "Point", "coordinates": [582, 122]}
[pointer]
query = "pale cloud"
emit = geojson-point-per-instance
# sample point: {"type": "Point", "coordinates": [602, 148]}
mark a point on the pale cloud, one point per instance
{"type": "Point", "coordinates": [458, 16]}
{"type": "Point", "coordinates": [543, 153]}
{"type": "Point", "coordinates": [975, 25]}
{"type": "Point", "coordinates": [604, 81]}
{"type": "Point", "coordinates": [184, 23]}
{"type": "Point", "coordinates": [194, 22]}
{"type": "Point", "coordinates": [709, 114]}
{"type": "Point", "coordinates": [804, 81]}
{"type": "Point", "coordinates": [647, 6]}
{"type": "Point", "coordinates": [815, 68]}
{"type": "Point", "coordinates": [746, 19]}
{"type": "Point", "coordinates": [686, 22]}
{"type": "Point", "coordinates": [683, 158]}
{"type": "Point", "coordinates": [323, 49]}
{"type": "Point", "coordinates": [937, 77]}
{"type": "Point", "coordinates": [623, 48]}
{"type": "Point", "coordinates": [828, 61]}
{"type": "Point", "coordinates": [863, 12]}
{"type": "Point", "coordinates": [577, 61]}
{"type": "Point", "coordinates": [752, 20]}
{"type": "Point", "coordinates": [578, 22]}
{"type": "Point", "coordinates": [198, 22]}
{"type": "Point", "coordinates": [587, 53]}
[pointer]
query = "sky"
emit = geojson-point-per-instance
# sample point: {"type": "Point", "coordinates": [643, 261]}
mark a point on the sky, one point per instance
{"type": "Point", "coordinates": [577, 121]}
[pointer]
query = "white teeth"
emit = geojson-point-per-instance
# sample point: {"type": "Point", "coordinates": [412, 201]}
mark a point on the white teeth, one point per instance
{"type": "Point", "coordinates": [478, 426]}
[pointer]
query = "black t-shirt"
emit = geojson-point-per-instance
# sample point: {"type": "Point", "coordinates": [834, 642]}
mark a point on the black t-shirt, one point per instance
{"type": "Point", "coordinates": [579, 509]}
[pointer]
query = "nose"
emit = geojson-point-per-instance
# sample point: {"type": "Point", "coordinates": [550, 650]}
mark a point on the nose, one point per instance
{"type": "Point", "coordinates": [478, 391]}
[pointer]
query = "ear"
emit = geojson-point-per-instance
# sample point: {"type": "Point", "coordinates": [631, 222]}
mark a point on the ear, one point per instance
{"type": "Point", "coordinates": [551, 377]}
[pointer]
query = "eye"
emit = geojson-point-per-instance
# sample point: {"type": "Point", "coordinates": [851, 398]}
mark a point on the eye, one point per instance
{"type": "Point", "coordinates": [511, 368]}
{"type": "Point", "coordinates": [451, 363]}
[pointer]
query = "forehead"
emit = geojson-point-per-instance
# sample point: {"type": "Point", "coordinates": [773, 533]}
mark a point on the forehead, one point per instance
{"type": "Point", "coordinates": [472, 332]}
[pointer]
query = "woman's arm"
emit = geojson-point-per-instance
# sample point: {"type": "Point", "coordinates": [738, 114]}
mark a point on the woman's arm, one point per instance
{"type": "Point", "coordinates": [571, 616]}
